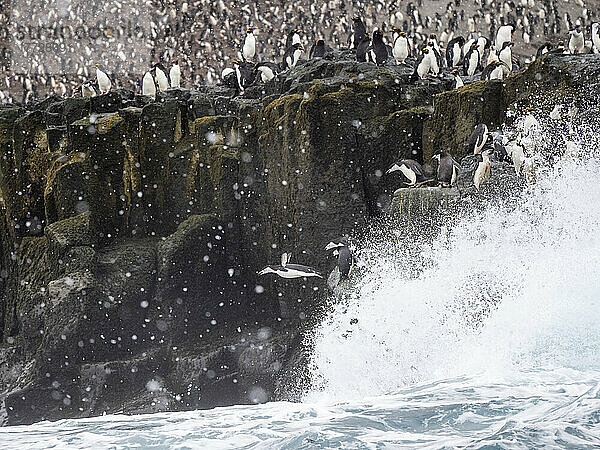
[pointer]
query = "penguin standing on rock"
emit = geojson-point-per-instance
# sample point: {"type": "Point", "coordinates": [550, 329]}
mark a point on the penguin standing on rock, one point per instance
{"type": "Point", "coordinates": [434, 59]}
{"type": "Point", "coordinates": [148, 86]}
{"type": "Point", "coordinates": [358, 31]}
{"type": "Point", "coordinates": [249, 47]}
{"type": "Point", "coordinates": [493, 71]}
{"type": "Point", "coordinates": [379, 52]}
{"type": "Point", "coordinates": [401, 49]}
{"type": "Point", "coordinates": [423, 65]}
{"type": "Point", "coordinates": [161, 78]}
{"type": "Point", "coordinates": [478, 138]}
{"type": "Point", "coordinates": [411, 169]}
{"type": "Point", "coordinates": [484, 169]}
{"type": "Point", "coordinates": [104, 83]}
{"type": "Point", "coordinates": [472, 60]}
{"type": "Point", "coordinates": [293, 37]}
{"type": "Point", "coordinates": [541, 51]}
{"type": "Point", "coordinates": [503, 35]}
{"type": "Point", "coordinates": [362, 48]}
{"type": "Point", "coordinates": [267, 70]}
{"type": "Point", "coordinates": [447, 170]}
{"type": "Point", "coordinates": [576, 41]}
{"type": "Point", "coordinates": [292, 55]}
{"type": "Point", "coordinates": [596, 37]}
{"type": "Point", "coordinates": [175, 74]}
{"type": "Point", "coordinates": [319, 49]}
{"type": "Point", "coordinates": [505, 56]}
{"type": "Point", "coordinates": [454, 50]}
{"type": "Point", "coordinates": [458, 82]}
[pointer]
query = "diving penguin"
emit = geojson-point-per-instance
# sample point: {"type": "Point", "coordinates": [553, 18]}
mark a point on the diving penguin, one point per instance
{"type": "Point", "coordinates": [342, 250]}
{"type": "Point", "coordinates": [411, 169]}
{"type": "Point", "coordinates": [287, 270]}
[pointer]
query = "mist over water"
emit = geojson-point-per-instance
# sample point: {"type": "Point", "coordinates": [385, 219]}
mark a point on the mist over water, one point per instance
{"type": "Point", "coordinates": [512, 287]}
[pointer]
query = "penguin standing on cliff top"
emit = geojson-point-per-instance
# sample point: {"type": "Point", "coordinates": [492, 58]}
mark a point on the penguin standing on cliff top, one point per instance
{"type": "Point", "coordinates": [148, 85]}
{"type": "Point", "coordinates": [541, 51]}
{"type": "Point", "coordinates": [434, 59]}
{"type": "Point", "coordinates": [576, 41]}
{"type": "Point", "coordinates": [411, 169]}
{"type": "Point", "coordinates": [454, 51]}
{"type": "Point", "coordinates": [293, 37]}
{"type": "Point", "coordinates": [423, 66]}
{"type": "Point", "coordinates": [267, 70]}
{"type": "Point", "coordinates": [319, 49]}
{"type": "Point", "coordinates": [292, 56]}
{"type": "Point", "coordinates": [342, 250]}
{"type": "Point", "coordinates": [493, 71]}
{"type": "Point", "coordinates": [87, 89]}
{"type": "Point", "coordinates": [287, 270]}
{"type": "Point", "coordinates": [378, 53]}
{"type": "Point", "coordinates": [472, 60]}
{"type": "Point", "coordinates": [362, 48]}
{"type": "Point", "coordinates": [478, 138]}
{"type": "Point", "coordinates": [358, 31]}
{"type": "Point", "coordinates": [503, 35]}
{"type": "Point", "coordinates": [175, 74]}
{"type": "Point", "coordinates": [505, 56]}
{"type": "Point", "coordinates": [161, 77]}
{"type": "Point", "coordinates": [447, 170]}
{"type": "Point", "coordinates": [433, 44]}
{"type": "Point", "coordinates": [249, 47]}
{"type": "Point", "coordinates": [104, 83]}
{"type": "Point", "coordinates": [596, 37]}
{"type": "Point", "coordinates": [401, 48]}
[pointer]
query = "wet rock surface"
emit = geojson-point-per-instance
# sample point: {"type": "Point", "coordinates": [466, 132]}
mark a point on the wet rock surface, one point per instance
{"type": "Point", "coordinates": [131, 231]}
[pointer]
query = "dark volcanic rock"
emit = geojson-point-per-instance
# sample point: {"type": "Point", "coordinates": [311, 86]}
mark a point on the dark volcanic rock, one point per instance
{"type": "Point", "coordinates": [132, 230]}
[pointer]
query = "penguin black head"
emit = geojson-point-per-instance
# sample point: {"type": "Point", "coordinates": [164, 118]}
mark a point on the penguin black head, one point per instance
{"type": "Point", "coordinates": [433, 36]}
{"type": "Point", "coordinates": [425, 50]}
{"type": "Point", "coordinates": [250, 29]}
{"type": "Point", "coordinates": [474, 46]}
{"type": "Point", "coordinates": [507, 44]}
{"type": "Point", "coordinates": [461, 41]}
{"type": "Point", "coordinates": [378, 33]}
{"type": "Point", "coordinates": [356, 19]}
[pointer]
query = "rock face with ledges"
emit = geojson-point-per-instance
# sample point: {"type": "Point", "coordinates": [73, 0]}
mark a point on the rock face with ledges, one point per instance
{"type": "Point", "coordinates": [132, 231]}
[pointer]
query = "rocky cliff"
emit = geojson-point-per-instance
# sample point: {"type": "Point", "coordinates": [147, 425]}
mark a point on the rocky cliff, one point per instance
{"type": "Point", "coordinates": [131, 231]}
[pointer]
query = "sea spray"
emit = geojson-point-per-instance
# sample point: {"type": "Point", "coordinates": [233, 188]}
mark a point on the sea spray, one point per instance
{"type": "Point", "coordinates": [512, 286]}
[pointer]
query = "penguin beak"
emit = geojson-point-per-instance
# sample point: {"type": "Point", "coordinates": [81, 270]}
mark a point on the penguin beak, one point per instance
{"type": "Point", "coordinates": [394, 168]}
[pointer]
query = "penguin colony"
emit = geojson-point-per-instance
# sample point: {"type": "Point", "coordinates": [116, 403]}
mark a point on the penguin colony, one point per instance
{"type": "Point", "coordinates": [484, 55]}
{"type": "Point", "coordinates": [208, 36]}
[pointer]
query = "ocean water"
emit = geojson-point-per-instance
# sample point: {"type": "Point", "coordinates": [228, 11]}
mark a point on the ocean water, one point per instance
{"type": "Point", "coordinates": [492, 342]}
